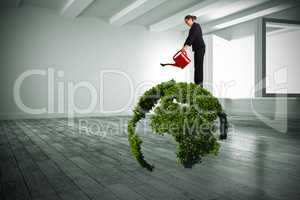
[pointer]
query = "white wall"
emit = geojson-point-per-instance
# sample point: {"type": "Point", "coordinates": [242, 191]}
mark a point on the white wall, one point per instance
{"type": "Point", "coordinates": [34, 38]}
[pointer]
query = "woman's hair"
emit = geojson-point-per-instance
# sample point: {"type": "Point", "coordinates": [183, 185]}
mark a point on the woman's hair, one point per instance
{"type": "Point", "coordinates": [190, 17]}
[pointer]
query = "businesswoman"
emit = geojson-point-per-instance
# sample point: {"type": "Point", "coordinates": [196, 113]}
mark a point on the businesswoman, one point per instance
{"type": "Point", "coordinates": [195, 39]}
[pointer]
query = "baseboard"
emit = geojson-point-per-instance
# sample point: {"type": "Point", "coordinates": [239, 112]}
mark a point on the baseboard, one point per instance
{"type": "Point", "coordinates": [268, 115]}
{"type": "Point", "coordinates": [60, 115]}
{"type": "Point", "coordinates": [263, 107]}
{"type": "Point", "coordinates": [128, 114]}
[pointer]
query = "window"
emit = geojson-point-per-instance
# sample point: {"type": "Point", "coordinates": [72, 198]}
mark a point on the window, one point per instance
{"type": "Point", "coordinates": [282, 61]}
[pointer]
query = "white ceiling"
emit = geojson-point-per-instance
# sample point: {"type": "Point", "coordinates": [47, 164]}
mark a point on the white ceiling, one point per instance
{"type": "Point", "coordinates": [166, 9]}
{"type": "Point", "coordinates": [51, 4]}
{"type": "Point", "coordinates": [162, 14]}
{"type": "Point", "coordinates": [105, 8]}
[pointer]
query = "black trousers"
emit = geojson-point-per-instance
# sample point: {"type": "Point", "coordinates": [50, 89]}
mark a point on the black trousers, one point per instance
{"type": "Point", "coordinates": [198, 61]}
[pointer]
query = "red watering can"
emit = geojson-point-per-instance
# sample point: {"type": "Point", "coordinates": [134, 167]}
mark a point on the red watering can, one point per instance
{"type": "Point", "coordinates": [181, 60]}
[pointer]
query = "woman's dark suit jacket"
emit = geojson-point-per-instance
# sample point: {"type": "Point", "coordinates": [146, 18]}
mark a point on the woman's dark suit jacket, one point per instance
{"type": "Point", "coordinates": [195, 38]}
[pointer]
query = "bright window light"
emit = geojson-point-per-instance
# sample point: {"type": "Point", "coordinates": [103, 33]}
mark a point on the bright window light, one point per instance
{"type": "Point", "coordinates": [233, 67]}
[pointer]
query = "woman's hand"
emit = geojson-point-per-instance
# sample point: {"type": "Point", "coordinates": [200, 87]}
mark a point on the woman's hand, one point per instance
{"type": "Point", "coordinates": [184, 48]}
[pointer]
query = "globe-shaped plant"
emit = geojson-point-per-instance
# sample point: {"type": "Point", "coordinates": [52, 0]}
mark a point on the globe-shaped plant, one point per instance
{"type": "Point", "coordinates": [184, 110]}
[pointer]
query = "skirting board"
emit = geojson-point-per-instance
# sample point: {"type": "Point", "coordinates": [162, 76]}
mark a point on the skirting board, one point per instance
{"type": "Point", "coordinates": [52, 116]}
{"type": "Point", "coordinates": [257, 107]}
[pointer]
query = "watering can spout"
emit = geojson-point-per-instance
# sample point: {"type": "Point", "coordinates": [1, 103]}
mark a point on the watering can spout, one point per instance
{"type": "Point", "coordinates": [170, 64]}
{"type": "Point", "coordinates": [181, 60]}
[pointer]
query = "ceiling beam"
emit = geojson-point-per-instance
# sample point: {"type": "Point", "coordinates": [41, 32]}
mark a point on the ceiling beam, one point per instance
{"type": "Point", "coordinates": [282, 25]}
{"type": "Point", "coordinates": [199, 9]}
{"type": "Point", "coordinates": [282, 28]}
{"type": "Point", "coordinates": [232, 7]}
{"type": "Point", "coordinates": [134, 10]}
{"type": "Point", "coordinates": [248, 15]}
{"type": "Point", "coordinates": [207, 11]}
{"type": "Point", "coordinates": [73, 8]}
{"type": "Point", "coordinates": [281, 31]}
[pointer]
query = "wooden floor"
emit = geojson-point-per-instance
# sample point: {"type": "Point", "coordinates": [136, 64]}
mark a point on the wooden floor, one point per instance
{"type": "Point", "coordinates": [46, 159]}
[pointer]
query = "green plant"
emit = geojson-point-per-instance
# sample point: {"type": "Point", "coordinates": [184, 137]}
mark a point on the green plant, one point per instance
{"type": "Point", "coordinates": [184, 110]}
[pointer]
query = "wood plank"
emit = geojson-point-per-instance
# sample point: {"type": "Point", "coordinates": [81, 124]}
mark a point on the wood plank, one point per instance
{"type": "Point", "coordinates": [90, 187]}
{"type": "Point", "coordinates": [254, 163]}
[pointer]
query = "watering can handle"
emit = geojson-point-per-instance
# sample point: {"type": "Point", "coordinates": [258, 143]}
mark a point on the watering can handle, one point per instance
{"type": "Point", "coordinates": [183, 51]}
